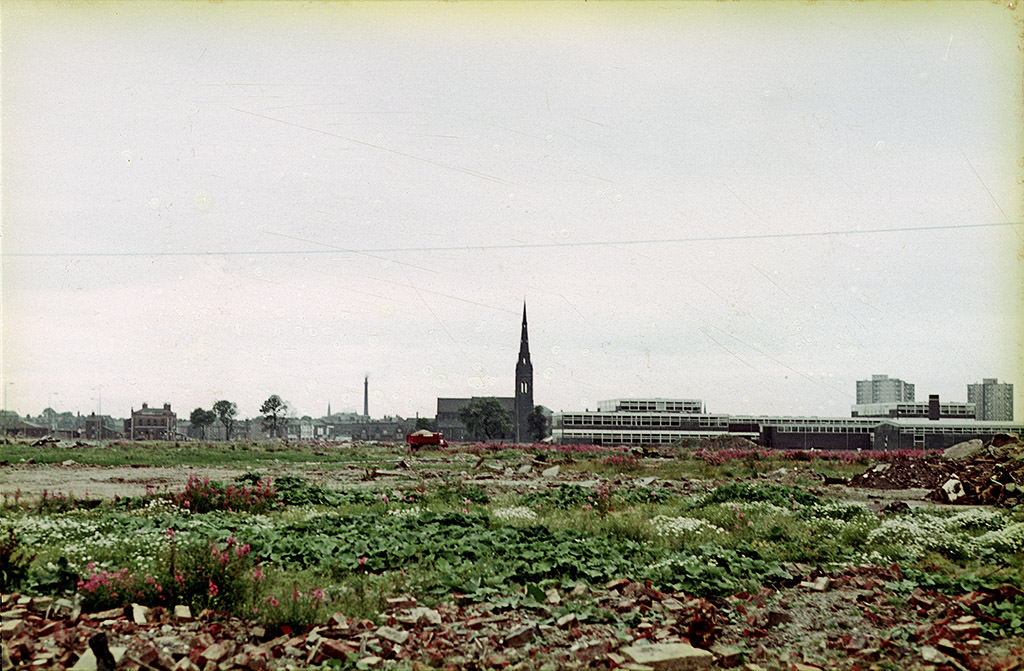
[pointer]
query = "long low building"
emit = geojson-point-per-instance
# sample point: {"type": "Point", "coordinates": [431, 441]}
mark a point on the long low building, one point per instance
{"type": "Point", "coordinates": [653, 422]}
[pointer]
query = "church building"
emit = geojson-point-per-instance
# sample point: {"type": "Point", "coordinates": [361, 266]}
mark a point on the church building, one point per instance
{"type": "Point", "coordinates": [518, 406]}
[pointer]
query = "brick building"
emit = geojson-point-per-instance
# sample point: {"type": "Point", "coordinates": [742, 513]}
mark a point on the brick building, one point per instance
{"type": "Point", "coordinates": [149, 423]}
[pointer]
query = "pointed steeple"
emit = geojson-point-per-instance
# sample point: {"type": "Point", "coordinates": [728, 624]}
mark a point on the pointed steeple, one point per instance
{"type": "Point", "coordinates": [524, 341]}
{"type": "Point", "coordinates": [524, 386]}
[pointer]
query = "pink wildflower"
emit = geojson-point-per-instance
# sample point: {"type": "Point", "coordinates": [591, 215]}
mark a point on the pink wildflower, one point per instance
{"type": "Point", "coordinates": [257, 574]}
{"type": "Point", "coordinates": [213, 589]}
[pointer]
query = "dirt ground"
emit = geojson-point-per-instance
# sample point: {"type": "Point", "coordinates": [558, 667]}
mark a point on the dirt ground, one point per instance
{"type": "Point", "coordinates": [101, 481]}
{"type": "Point", "coordinates": [104, 482]}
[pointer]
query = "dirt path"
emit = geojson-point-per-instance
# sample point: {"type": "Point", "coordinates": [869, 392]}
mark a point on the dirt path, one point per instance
{"type": "Point", "coordinates": [102, 481]}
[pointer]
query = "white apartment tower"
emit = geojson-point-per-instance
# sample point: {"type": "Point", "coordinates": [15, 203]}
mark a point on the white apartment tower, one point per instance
{"type": "Point", "coordinates": [992, 399]}
{"type": "Point", "coordinates": [884, 389]}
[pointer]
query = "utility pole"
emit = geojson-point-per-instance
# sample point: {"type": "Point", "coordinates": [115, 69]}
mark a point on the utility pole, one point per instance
{"type": "Point", "coordinates": [7, 422]}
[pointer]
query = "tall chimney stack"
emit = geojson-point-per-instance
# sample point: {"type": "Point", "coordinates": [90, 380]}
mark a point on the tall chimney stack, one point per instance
{"type": "Point", "coordinates": [366, 397]}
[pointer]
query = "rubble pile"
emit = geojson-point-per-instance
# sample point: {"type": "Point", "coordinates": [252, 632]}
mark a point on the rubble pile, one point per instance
{"type": "Point", "coordinates": [973, 473]}
{"type": "Point", "coordinates": [843, 619]}
{"type": "Point", "coordinates": [983, 474]}
{"type": "Point", "coordinates": [849, 619]}
{"type": "Point", "coordinates": [903, 473]}
{"type": "Point", "coordinates": [43, 633]}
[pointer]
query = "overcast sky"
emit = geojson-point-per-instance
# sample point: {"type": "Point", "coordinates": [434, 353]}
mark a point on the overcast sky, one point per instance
{"type": "Point", "coordinates": [755, 204]}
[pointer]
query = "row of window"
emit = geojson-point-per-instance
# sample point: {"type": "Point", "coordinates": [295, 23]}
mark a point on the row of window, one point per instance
{"type": "Point", "coordinates": [659, 406]}
{"type": "Point", "coordinates": [152, 421]}
{"type": "Point", "coordinates": [952, 430]}
{"type": "Point", "coordinates": [632, 437]}
{"type": "Point", "coordinates": [644, 420]}
{"type": "Point", "coordinates": [786, 428]}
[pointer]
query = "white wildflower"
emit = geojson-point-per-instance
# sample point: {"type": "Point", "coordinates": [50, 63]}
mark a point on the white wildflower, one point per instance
{"type": "Point", "coordinates": [673, 527]}
{"type": "Point", "coordinates": [413, 511]}
{"type": "Point", "coordinates": [514, 514]}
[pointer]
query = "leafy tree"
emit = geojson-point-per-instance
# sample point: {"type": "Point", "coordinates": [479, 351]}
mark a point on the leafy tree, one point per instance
{"type": "Point", "coordinates": [537, 423]}
{"type": "Point", "coordinates": [226, 412]}
{"type": "Point", "coordinates": [486, 419]}
{"type": "Point", "coordinates": [273, 410]}
{"type": "Point", "coordinates": [425, 423]}
{"type": "Point", "coordinates": [201, 419]}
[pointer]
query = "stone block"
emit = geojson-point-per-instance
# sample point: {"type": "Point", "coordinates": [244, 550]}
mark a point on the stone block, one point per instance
{"type": "Point", "coordinates": [397, 636]}
{"type": "Point", "coordinates": [726, 656]}
{"type": "Point", "coordinates": [336, 649]}
{"type": "Point", "coordinates": [669, 656]}
{"type": "Point", "coordinates": [521, 635]}
{"type": "Point", "coordinates": [11, 628]}
{"type": "Point", "coordinates": [140, 614]}
{"type": "Point", "coordinates": [111, 614]}
{"type": "Point", "coordinates": [821, 583]}
{"type": "Point", "coordinates": [215, 652]}
{"type": "Point", "coordinates": [965, 449]}
{"type": "Point", "coordinates": [419, 616]}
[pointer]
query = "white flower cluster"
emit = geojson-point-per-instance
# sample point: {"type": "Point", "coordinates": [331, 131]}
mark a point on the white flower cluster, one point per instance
{"type": "Point", "coordinates": [83, 540]}
{"type": "Point", "coordinates": [673, 527]}
{"type": "Point", "coordinates": [413, 511]}
{"type": "Point", "coordinates": [685, 563]}
{"type": "Point", "coordinates": [977, 518]}
{"type": "Point", "coordinates": [837, 510]}
{"type": "Point", "coordinates": [911, 535]}
{"type": "Point", "coordinates": [1007, 539]}
{"type": "Point", "coordinates": [514, 514]}
{"type": "Point", "coordinates": [762, 507]}
{"type": "Point", "coordinates": [55, 530]}
{"type": "Point", "coordinates": [156, 506]}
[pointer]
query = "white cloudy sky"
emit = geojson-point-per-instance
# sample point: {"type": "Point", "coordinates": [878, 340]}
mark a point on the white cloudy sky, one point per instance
{"type": "Point", "coordinates": [756, 204]}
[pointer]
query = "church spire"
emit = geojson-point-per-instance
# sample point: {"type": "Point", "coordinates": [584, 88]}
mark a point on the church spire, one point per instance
{"type": "Point", "coordinates": [524, 386]}
{"type": "Point", "coordinates": [524, 341]}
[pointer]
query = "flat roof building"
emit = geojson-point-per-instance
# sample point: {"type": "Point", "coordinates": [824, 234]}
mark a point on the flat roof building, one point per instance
{"type": "Point", "coordinates": [651, 422]}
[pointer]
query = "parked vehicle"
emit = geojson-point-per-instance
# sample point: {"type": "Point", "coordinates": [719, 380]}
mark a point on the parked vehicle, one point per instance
{"type": "Point", "coordinates": [424, 437]}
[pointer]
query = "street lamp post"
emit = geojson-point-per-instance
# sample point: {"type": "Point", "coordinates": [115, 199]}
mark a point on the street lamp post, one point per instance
{"type": "Point", "coordinates": [53, 411]}
{"type": "Point", "coordinates": [7, 421]}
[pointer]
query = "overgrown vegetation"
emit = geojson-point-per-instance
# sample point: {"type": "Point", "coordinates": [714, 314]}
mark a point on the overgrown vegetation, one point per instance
{"type": "Point", "coordinates": [286, 550]}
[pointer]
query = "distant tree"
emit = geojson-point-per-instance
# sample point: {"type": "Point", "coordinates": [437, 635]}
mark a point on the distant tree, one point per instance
{"type": "Point", "coordinates": [273, 411]}
{"type": "Point", "coordinates": [486, 419]}
{"type": "Point", "coordinates": [425, 423]}
{"type": "Point", "coordinates": [201, 419]}
{"type": "Point", "coordinates": [226, 412]}
{"type": "Point", "coordinates": [537, 423]}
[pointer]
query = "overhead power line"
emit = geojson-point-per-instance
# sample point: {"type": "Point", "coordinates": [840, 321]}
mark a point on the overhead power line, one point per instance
{"type": "Point", "coordinates": [525, 245]}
